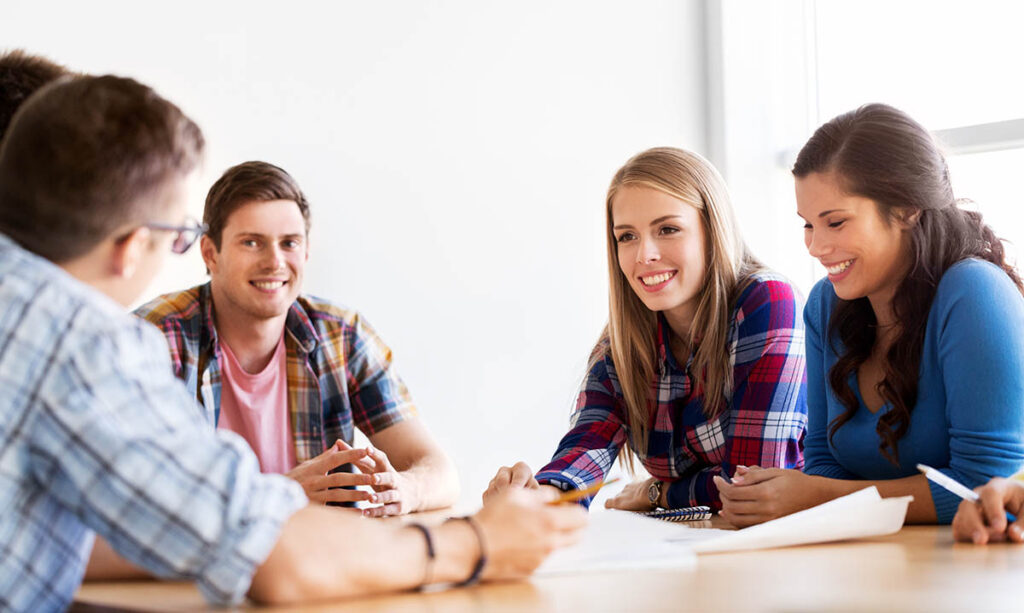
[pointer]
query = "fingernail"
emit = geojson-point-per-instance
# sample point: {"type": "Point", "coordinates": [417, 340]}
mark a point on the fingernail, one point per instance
{"type": "Point", "coordinates": [373, 498]}
{"type": "Point", "coordinates": [375, 480]}
{"type": "Point", "coordinates": [978, 537]}
{"type": "Point", "coordinates": [737, 479]}
{"type": "Point", "coordinates": [1014, 531]}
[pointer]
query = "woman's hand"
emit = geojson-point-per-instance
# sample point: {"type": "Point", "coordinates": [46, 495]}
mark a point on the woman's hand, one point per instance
{"type": "Point", "coordinates": [758, 494]}
{"type": "Point", "coordinates": [985, 520]}
{"type": "Point", "coordinates": [633, 497]}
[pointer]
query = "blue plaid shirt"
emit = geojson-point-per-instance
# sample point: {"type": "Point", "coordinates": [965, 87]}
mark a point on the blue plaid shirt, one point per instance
{"type": "Point", "coordinates": [96, 434]}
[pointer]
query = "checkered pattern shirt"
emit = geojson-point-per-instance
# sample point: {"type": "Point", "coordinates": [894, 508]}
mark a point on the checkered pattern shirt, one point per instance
{"type": "Point", "coordinates": [97, 436]}
{"type": "Point", "coordinates": [763, 424]}
{"type": "Point", "coordinates": [339, 371]}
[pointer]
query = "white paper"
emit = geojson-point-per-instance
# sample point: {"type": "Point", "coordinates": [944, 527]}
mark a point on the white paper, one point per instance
{"type": "Point", "coordinates": [620, 540]}
{"type": "Point", "coordinates": [861, 514]}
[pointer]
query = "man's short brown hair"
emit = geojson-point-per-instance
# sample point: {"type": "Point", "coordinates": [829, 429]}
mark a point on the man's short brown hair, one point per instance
{"type": "Point", "coordinates": [21, 74]}
{"type": "Point", "coordinates": [249, 182]}
{"type": "Point", "coordinates": [86, 157]}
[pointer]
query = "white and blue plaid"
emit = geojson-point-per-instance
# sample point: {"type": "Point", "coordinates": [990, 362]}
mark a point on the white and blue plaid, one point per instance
{"type": "Point", "coordinates": [97, 435]}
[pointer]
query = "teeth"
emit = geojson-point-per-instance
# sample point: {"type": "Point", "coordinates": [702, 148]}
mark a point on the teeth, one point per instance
{"type": "Point", "coordinates": [268, 284]}
{"type": "Point", "coordinates": [838, 268]}
{"type": "Point", "coordinates": [656, 279]}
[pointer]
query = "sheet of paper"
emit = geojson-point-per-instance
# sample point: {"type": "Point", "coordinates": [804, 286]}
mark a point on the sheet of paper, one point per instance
{"type": "Point", "coordinates": [619, 540]}
{"type": "Point", "coordinates": [861, 514]}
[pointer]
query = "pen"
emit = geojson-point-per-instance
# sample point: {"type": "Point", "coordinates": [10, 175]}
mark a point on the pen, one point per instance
{"type": "Point", "coordinates": [954, 486]}
{"type": "Point", "coordinates": [574, 495]}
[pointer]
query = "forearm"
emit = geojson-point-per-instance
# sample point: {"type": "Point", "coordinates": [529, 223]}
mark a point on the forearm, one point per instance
{"type": "Point", "coordinates": [106, 565]}
{"type": "Point", "coordinates": [327, 554]}
{"type": "Point", "coordinates": [434, 480]}
{"type": "Point", "coordinates": [920, 511]}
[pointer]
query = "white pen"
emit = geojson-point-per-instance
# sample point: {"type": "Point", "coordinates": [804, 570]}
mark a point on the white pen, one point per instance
{"type": "Point", "coordinates": [955, 486]}
{"type": "Point", "coordinates": [949, 483]}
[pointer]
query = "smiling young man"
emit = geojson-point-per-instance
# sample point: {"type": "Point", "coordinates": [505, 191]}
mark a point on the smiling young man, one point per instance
{"type": "Point", "coordinates": [291, 373]}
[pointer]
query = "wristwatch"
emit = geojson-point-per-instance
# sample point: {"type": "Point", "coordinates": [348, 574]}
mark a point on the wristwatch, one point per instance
{"type": "Point", "coordinates": [654, 493]}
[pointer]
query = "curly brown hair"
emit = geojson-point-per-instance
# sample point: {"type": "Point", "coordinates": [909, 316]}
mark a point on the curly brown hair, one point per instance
{"type": "Point", "coordinates": [880, 153]}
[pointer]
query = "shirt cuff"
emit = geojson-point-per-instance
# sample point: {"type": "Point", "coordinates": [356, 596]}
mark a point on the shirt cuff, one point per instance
{"type": "Point", "coordinates": [566, 484]}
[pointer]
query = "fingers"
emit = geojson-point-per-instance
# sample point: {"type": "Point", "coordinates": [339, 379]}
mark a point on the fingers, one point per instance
{"type": "Point", "coordinates": [520, 475]}
{"type": "Point", "coordinates": [336, 480]}
{"type": "Point", "coordinates": [992, 509]}
{"type": "Point", "coordinates": [968, 525]}
{"type": "Point", "coordinates": [383, 510]}
{"type": "Point", "coordinates": [331, 459]}
{"type": "Point", "coordinates": [338, 495]}
{"type": "Point", "coordinates": [754, 474]}
{"type": "Point", "coordinates": [728, 491]}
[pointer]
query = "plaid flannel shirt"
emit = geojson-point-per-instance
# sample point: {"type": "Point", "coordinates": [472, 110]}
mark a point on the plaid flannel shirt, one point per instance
{"type": "Point", "coordinates": [96, 435]}
{"type": "Point", "coordinates": [339, 371]}
{"type": "Point", "coordinates": [763, 424]}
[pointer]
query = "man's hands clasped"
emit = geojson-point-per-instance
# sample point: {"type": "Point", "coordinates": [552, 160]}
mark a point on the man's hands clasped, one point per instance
{"type": "Point", "coordinates": [393, 492]}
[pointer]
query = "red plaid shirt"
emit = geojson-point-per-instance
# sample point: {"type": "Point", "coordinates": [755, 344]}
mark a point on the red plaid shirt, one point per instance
{"type": "Point", "coordinates": [763, 424]}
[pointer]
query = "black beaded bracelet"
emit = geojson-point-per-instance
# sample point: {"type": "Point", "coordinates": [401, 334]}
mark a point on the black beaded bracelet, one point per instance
{"type": "Point", "coordinates": [481, 562]}
{"type": "Point", "coordinates": [428, 572]}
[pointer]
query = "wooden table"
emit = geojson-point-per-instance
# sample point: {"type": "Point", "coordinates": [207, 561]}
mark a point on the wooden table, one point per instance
{"type": "Point", "coordinates": [918, 569]}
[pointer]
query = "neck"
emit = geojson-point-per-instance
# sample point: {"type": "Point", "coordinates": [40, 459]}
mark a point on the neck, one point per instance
{"type": "Point", "coordinates": [252, 340]}
{"type": "Point", "coordinates": [93, 269]}
{"type": "Point", "coordinates": [680, 320]}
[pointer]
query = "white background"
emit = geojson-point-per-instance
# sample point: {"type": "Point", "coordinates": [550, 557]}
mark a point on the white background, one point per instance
{"type": "Point", "coordinates": [456, 156]}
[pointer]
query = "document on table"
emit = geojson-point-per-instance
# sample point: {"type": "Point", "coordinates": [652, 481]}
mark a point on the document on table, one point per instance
{"type": "Point", "coordinates": [619, 540]}
{"type": "Point", "coordinates": [857, 515]}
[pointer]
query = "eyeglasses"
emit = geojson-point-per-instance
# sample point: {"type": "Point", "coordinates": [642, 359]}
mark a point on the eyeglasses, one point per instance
{"type": "Point", "coordinates": [188, 234]}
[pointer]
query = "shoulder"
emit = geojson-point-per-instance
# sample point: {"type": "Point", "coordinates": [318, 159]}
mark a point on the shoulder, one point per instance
{"type": "Point", "coordinates": [978, 289]}
{"type": "Point", "coordinates": [768, 300]}
{"type": "Point", "coordinates": [973, 275]}
{"type": "Point", "coordinates": [175, 306]}
{"type": "Point", "coordinates": [329, 316]}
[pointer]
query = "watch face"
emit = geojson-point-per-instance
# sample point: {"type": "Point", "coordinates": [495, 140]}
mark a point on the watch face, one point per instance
{"type": "Point", "coordinates": [654, 492]}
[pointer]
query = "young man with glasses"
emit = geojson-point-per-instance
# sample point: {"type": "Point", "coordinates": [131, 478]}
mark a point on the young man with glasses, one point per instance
{"type": "Point", "coordinates": [291, 373]}
{"type": "Point", "coordinates": [97, 436]}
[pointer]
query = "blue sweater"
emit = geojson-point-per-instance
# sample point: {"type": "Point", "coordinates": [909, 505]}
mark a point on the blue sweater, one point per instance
{"type": "Point", "coordinates": [969, 418]}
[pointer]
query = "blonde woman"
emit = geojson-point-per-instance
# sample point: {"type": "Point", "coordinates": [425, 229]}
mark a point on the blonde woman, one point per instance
{"type": "Point", "coordinates": [701, 366]}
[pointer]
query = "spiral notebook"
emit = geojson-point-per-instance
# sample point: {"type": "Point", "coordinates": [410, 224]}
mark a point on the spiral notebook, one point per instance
{"type": "Point", "coordinates": [680, 514]}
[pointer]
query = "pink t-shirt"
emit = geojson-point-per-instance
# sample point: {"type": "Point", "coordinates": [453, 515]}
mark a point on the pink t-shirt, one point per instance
{"type": "Point", "coordinates": [255, 406]}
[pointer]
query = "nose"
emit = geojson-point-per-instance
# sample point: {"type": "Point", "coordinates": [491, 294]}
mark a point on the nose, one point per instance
{"type": "Point", "coordinates": [648, 251]}
{"type": "Point", "coordinates": [273, 257]}
{"type": "Point", "coordinates": [817, 243]}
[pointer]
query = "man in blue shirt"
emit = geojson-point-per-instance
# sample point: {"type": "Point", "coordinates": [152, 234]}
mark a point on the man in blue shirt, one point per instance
{"type": "Point", "coordinates": [98, 437]}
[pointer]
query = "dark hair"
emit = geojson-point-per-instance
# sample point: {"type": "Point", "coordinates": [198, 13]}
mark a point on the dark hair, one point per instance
{"type": "Point", "coordinates": [245, 183]}
{"type": "Point", "coordinates": [880, 153]}
{"type": "Point", "coordinates": [21, 74]}
{"type": "Point", "coordinates": [87, 156]}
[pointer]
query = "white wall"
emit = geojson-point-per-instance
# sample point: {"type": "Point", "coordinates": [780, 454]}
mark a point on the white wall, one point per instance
{"type": "Point", "coordinates": [455, 153]}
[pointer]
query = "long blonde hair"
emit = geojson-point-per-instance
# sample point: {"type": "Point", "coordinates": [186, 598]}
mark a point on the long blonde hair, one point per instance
{"type": "Point", "coordinates": [630, 335]}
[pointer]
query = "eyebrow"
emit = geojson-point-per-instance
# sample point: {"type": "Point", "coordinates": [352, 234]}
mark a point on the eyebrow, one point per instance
{"type": "Point", "coordinates": [258, 235]}
{"type": "Point", "coordinates": [653, 222]}
{"type": "Point", "coordinates": [822, 214]}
